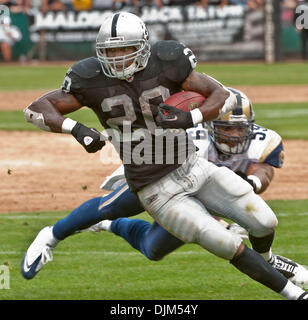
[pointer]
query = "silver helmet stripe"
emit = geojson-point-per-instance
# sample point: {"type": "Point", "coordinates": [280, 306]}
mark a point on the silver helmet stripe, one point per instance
{"type": "Point", "coordinates": [114, 25]}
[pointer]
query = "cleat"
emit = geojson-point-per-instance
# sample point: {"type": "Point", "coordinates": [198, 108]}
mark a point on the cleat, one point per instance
{"type": "Point", "coordinates": [237, 229]}
{"type": "Point", "coordinates": [103, 225]}
{"type": "Point", "coordinates": [303, 296]}
{"type": "Point", "coordinates": [293, 271]}
{"type": "Point", "coordinates": [38, 254]}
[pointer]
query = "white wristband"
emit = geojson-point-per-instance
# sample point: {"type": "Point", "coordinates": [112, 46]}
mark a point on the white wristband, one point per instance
{"type": "Point", "coordinates": [68, 125]}
{"type": "Point", "coordinates": [256, 181]}
{"type": "Point", "coordinates": [196, 115]}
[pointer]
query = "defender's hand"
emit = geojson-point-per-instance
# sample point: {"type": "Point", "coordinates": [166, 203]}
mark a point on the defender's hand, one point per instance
{"type": "Point", "coordinates": [89, 138]}
{"type": "Point", "coordinates": [172, 117]}
{"type": "Point", "coordinates": [250, 181]}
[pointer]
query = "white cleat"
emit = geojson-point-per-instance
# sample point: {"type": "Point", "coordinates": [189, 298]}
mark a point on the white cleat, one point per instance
{"type": "Point", "coordinates": [104, 225]}
{"type": "Point", "coordinates": [237, 229]}
{"type": "Point", "coordinates": [293, 271]}
{"type": "Point", "coordinates": [39, 253]}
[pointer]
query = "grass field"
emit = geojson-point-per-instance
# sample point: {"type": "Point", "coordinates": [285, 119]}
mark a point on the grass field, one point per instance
{"type": "Point", "coordinates": [51, 77]}
{"type": "Point", "coordinates": [103, 266]}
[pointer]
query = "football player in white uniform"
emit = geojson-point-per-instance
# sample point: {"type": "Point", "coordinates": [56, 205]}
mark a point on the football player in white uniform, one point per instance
{"type": "Point", "coordinates": [125, 86]}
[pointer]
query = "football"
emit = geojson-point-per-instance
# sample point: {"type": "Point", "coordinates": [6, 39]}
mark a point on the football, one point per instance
{"type": "Point", "coordinates": [185, 100]}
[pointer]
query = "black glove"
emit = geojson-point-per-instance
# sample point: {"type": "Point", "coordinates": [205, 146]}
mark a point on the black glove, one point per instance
{"type": "Point", "coordinates": [243, 176]}
{"type": "Point", "coordinates": [90, 139]}
{"type": "Point", "coordinates": [172, 117]}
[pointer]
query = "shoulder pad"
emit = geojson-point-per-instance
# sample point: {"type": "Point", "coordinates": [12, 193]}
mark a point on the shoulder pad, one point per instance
{"type": "Point", "coordinates": [87, 68]}
{"type": "Point", "coordinates": [274, 141]}
{"type": "Point", "coordinates": [169, 50]}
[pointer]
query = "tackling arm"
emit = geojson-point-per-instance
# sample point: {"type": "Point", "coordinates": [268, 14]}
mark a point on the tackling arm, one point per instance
{"type": "Point", "coordinates": [261, 175]}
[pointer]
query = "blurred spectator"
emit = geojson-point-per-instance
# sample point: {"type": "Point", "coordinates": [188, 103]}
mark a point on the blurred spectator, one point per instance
{"type": "Point", "coordinates": [16, 5]}
{"type": "Point", "coordinates": [8, 36]}
{"type": "Point", "coordinates": [52, 5]}
{"type": "Point", "coordinates": [79, 5]}
{"type": "Point", "coordinates": [119, 4]}
{"type": "Point", "coordinates": [255, 4]}
{"type": "Point", "coordinates": [238, 2]}
{"type": "Point", "coordinates": [99, 4]}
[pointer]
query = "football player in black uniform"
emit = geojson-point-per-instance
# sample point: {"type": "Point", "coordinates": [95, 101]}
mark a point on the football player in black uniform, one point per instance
{"type": "Point", "coordinates": [125, 86]}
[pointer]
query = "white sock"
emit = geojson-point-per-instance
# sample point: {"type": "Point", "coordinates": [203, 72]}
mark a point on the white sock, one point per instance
{"type": "Point", "coordinates": [267, 255]}
{"type": "Point", "coordinates": [53, 241]}
{"type": "Point", "coordinates": [291, 291]}
{"type": "Point", "coordinates": [106, 225]}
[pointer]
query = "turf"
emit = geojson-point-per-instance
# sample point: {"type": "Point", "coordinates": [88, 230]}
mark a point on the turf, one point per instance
{"type": "Point", "coordinates": [51, 77]}
{"type": "Point", "coordinates": [104, 266]}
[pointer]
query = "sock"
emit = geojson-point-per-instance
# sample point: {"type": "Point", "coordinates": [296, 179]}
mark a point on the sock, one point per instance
{"type": "Point", "coordinates": [53, 241]}
{"type": "Point", "coordinates": [262, 245]}
{"type": "Point", "coordinates": [291, 291]}
{"type": "Point", "coordinates": [252, 264]}
{"type": "Point", "coordinates": [267, 255]}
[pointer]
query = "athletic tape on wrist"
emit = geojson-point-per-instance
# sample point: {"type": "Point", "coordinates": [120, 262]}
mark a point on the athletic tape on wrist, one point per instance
{"type": "Point", "coordinates": [256, 181]}
{"type": "Point", "coordinates": [68, 125]}
{"type": "Point", "coordinates": [196, 116]}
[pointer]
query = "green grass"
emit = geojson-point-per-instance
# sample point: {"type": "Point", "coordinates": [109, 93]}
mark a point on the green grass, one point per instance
{"type": "Point", "coordinates": [51, 77]}
{"type": "Point", "coordinates": [104, 266]}
{"type": "Point", "coordinates": [288, 119]}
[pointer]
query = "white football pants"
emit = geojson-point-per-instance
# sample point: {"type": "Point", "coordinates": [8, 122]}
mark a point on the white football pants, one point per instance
{"type": "Point", "coordinates": [179, 200]}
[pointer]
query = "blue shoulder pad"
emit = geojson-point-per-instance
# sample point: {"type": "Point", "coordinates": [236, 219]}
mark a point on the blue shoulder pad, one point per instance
{"type": "Point", "coordinates": [276, 157]}
{"type": "Point", "coordinates": [87, 68]}
{"type": "Point", "coordinates": [169, 50]}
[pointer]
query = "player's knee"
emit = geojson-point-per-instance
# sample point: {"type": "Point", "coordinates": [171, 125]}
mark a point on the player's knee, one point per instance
{"type": "Point", "coordinates": [264, 225]}
{"type": "Point", "coordinates": [154, 255]}
{"type": "Point", "coordinates": [222, 243]}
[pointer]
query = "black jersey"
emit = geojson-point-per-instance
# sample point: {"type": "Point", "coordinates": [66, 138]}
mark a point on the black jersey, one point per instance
{"type": "Point", "coordinates": [127, 107]}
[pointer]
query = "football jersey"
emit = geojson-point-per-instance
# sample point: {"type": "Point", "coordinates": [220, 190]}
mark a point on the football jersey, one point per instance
{"type": "Point", "coordinates": [266, 147]}
{"type": "Point", "coordinates": [126, 107]}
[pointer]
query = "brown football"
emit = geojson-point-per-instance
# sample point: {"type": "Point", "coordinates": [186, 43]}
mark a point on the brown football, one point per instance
{"type": "Point", "coordinates": [185, 100]}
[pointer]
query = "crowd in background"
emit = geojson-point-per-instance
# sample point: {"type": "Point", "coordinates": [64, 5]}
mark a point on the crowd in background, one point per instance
{"type": "Point", "coordinates": [61, 5]}
{"type": "Point", "coordinates": [7, 38]}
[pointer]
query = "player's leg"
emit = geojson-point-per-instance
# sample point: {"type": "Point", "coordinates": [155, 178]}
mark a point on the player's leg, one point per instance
{"type": "Point", "coordinates": [231, 196]}
{"type": "Point", "coordinates": [119, 203]}
{"type": "Point", "coordinates": [153, 241]}
{"type": "Point", "coordinates": [171, 204]}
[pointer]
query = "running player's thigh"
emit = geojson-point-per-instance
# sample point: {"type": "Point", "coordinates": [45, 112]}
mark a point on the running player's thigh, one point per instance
{"type": "Point", "coordinates": [187, 219]}
{"type": "Point", "coordinates": [232, 197]}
